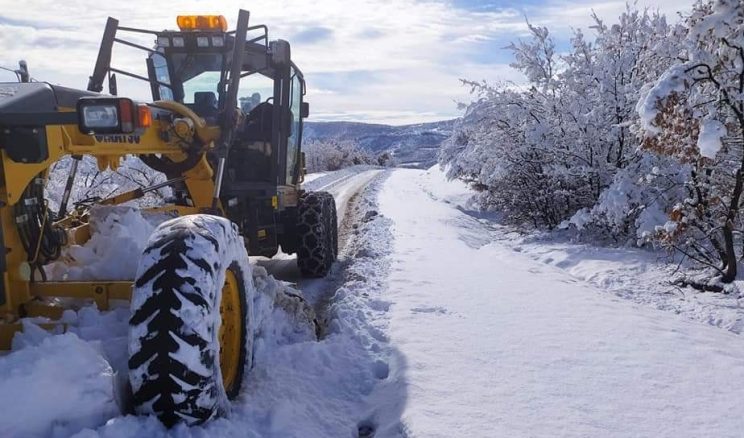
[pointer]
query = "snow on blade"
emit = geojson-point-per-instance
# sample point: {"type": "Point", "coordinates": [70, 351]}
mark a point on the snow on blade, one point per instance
{"type": "Point", "coordinates": [118, 236]}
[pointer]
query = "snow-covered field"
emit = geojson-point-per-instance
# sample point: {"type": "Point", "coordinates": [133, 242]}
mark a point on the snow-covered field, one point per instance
{"type": "Point", "coordinates": [500, 344]}
{"type": "Point", "coordinates": [436, 323]}
{"type": "Point", "coordinates": [639, 275]}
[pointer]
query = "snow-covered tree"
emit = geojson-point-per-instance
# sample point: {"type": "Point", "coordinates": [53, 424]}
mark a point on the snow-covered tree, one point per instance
{"type": "Point", "coordinates": [635, 135]}
{"type": "Point", "coordinates": [694, 113]}
{"type": "Point", "coordinates": [544, 152]}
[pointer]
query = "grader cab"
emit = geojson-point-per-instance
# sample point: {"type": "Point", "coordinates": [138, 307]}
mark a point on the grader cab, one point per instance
{"type": "Point", "coordinates": [235, 173]}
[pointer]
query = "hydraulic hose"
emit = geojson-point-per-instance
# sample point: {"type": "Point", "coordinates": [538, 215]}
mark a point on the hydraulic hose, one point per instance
{"type": "Point", "coordinates": [40, 239]}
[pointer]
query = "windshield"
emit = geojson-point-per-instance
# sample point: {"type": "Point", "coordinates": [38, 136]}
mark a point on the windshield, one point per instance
{"type": "Point", "coordinates": [206, 82]}
{"type": "Point", "coordinates": [198, 72]}
{"type": "Point", "coordinates": [201, 73]}
{"type": "Point", "coordinates": [254, 89]}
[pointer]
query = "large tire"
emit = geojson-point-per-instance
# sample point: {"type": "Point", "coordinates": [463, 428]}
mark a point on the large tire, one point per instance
{"type": "Point", "coordinates": [334, 226]}
{"type": "Point", "coordinates": [318, 238]}
{"type": "Point", "coordinates": [190, 333]}
{"type": "Point", "coordinates": [329, 204]}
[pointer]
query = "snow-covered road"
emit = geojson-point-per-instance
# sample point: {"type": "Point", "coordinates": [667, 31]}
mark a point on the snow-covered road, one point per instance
{"type": "Point", "coordinates": [343, 185]}
{"type": "Point", "coordinates": [498, 344]}
{"type": "Point", "coordinates": [433, 327]}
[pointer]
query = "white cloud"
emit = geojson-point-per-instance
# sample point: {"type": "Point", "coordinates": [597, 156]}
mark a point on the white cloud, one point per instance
{"type": "Point", "coordinates": [562, 15]}
{"type": "Point", "coordinates": [395, 61]}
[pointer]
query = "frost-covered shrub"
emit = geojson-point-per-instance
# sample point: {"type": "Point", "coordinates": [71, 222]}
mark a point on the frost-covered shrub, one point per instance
{"type": "Point", "coordinates": [636, 135]}
{"type": "Point", "coordinates": [544, 152]}
{"type": "Point", "coordinates": [637, 202]}
{"type": "Point", "coordinates": [330, 155]}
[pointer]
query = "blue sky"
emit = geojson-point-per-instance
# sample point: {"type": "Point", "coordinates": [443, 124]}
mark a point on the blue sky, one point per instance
{"type": "Point", "coordinates": [385, 61]}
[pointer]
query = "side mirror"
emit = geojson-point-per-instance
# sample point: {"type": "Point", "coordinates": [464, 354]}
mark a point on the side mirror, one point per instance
{"type": "Point", "coordinates": [23, 71]}
{"type": "Point", "coordinates": [113, 90]}
{"type": "Point", "coordinates": [305, 110]}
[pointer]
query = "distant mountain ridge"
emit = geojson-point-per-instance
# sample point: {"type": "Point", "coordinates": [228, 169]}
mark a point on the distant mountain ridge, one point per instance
{"type": "Point", "coordinates": [411, 145]}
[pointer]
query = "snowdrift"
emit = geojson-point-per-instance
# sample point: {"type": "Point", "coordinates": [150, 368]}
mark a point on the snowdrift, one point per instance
{"type": "Point", "coordinates": [60, 384]}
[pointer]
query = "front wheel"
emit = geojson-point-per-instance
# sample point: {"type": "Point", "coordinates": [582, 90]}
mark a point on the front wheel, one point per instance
{"type": "Point", "coordinates": [190, 334]}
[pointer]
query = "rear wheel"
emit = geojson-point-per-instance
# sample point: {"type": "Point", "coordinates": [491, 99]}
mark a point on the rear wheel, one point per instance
{"type": "Point", "coordinates": [317, 231]}
{"type": "Point", "coordinates": [190, 337]}
{"type": "Point", "coordinates": [334, 228]}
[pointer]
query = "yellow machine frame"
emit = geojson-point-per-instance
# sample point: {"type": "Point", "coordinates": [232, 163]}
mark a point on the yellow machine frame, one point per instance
{"type": "Point", "coordinates": [29, 297]}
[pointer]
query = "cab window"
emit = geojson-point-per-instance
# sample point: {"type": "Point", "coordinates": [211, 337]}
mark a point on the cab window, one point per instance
{"type": "Point", "coordinates": [160, 65]}
{"type": "Point", "coordinates": [293, 142]}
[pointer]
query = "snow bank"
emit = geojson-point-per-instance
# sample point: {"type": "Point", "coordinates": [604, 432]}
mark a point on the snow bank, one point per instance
{"type": "Point", "coordinates": [54, 386]}
{"type": "Point", "coordinates": [282, 316]}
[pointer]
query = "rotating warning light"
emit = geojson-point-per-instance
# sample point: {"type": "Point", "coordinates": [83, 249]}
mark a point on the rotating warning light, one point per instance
{"type": "Point", "coordinates": [202, 22]}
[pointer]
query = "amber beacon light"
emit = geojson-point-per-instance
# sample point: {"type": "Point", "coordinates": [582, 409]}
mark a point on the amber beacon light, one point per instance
{"type": "Point", "coordinates": [202, 22]}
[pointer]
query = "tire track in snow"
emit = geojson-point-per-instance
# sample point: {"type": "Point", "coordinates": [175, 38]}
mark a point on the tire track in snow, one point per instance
{"type": "Point", "coordinates": [346, 187]}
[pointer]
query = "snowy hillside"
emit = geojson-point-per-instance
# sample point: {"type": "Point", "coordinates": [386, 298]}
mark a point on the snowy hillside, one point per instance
{"type": "Point", "coordinates": [411, 145]}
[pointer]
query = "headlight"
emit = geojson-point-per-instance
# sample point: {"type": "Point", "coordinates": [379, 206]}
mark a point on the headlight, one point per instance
{"type": "Point", "coordinates": [218, 41]}
{"type": "Point", "coordinates": [178, 42]}
{"type": "Point", "coordinates": [100, 116]}
{"type": "Point", "coordinates": [111, 115]}
{"type": "Point", "coordinates": [202, 41]}
{"type": "Point", "coordinates": [163, 41]}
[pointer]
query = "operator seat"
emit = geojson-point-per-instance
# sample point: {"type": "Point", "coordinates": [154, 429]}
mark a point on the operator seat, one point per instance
{"type": "Point", "coordinates": [258, 123]}
{"type": "Point", "coordinates": [252, 159]}
{"type": "Point", "coordinates": [206, 106]}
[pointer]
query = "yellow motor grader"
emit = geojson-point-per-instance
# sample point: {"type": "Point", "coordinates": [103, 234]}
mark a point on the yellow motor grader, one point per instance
{"type": "Point", "coordinates": [234, 164]}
